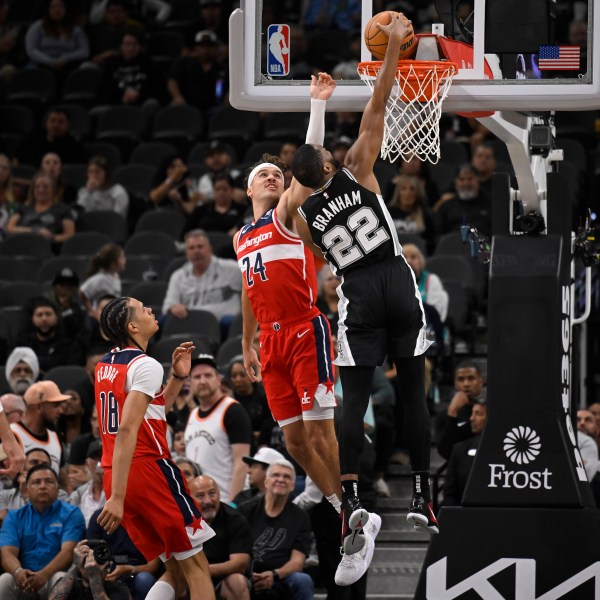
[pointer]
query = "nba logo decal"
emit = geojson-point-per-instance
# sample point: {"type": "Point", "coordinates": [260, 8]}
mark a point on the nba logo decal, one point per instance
{"type": "Point", "coordinates": [278, 50]}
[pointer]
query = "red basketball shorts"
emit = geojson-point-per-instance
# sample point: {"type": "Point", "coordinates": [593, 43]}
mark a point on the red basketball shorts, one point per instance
{"type": "Point", "coordinates": [297, 364]}
{"type": "Point", "coordinates": [160, 516]}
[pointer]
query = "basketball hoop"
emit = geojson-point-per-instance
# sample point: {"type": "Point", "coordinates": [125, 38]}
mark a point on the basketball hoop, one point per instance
{"type": "Point", "coordinates": [414, 108]}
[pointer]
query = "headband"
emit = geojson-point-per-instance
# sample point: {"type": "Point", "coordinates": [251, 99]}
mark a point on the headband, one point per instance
{"type": "Point", "coordinates": [260, 168]}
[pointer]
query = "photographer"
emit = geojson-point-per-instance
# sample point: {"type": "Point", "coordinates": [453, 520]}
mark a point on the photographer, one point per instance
{"type": "Point", "coordinates": [86, 579]}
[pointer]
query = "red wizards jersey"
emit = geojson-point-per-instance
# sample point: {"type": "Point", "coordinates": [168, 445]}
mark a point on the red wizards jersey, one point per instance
{"type": "Point", "coordinates": [278, 270]}
{"type": "Point", "coordinates": [116, 374]}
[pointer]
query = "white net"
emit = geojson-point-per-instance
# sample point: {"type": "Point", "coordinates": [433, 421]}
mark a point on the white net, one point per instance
{"type": "Point", "coordinates": [414, 108]}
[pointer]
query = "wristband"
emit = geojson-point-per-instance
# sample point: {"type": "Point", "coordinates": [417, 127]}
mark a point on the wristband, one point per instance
{"type": "Point", "coordinates": [1, 408]}
{"type": "Point", "coordinates": [315, 133]}
{"type": "Point", "coordinates": [275, 575]}
{"type": "Point", "coordinates": [17, 571]}
{"type": "Point", "coordinates": [180, 377]}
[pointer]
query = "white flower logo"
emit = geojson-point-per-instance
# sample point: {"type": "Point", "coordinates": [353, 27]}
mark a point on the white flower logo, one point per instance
{"type": "Point", "coordinates": [522, 445]}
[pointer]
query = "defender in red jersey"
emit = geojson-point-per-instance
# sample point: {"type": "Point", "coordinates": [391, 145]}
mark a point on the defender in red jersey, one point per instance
{"type": "Point", "coordinates": [146, 491]}
{"type": "Point", "coordinates": [279, 293]}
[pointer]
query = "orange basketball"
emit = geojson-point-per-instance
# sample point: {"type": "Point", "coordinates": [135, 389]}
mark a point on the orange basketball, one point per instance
{"type": "Point", "coordinates": [377, 41]}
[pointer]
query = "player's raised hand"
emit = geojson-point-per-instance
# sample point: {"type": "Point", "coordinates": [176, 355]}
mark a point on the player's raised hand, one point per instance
{"type": "Point", "coordinates": [322, 87]}
{"type": "Point", "coordinates": [398, 26]}
{"type": "Point", "coordinates": [182, 359]}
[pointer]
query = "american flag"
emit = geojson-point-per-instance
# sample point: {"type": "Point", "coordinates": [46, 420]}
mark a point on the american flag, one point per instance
{"type": "Point", "coordinates": [559, 58]}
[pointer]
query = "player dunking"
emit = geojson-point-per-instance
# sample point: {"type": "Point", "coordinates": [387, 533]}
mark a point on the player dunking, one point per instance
{"type": "Point", "coordinates": [146, 491]}
{"type": "Point", "coordinates": [380, 308]}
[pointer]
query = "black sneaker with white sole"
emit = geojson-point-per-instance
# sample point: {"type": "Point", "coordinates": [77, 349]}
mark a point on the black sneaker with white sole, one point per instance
{"type": "Point", "coordinates": [354, 520]}
{"type": "Point", "coordinates": [420, 514]}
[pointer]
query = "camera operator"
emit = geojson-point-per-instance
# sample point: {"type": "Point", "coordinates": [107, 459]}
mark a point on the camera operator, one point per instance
{"type": "Point", "coordinates": [86, 579]}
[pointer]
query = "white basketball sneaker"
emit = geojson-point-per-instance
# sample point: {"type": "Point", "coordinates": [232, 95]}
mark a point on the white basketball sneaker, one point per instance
{"type": "Point", "coordinates": [353, 566]}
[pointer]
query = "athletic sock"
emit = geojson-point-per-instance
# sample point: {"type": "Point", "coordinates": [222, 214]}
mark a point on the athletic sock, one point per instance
{"type": "Point", "coordinates": [335, 502]}
{"type": "Point", "coordinates": [161, 590]}
{"type": "Point", "coordinates": [349, 489]}
{"type": "Point", "coordinates": [421, 483]}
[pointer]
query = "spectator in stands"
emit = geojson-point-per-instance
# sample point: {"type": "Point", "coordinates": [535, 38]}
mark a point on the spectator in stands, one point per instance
{"type": "Point", "coordinates": [44, 335]}
{"type": "Point", "coordinates": [86, 577]}
{"type": "Point", "coordinates": [70, 422]}
{"type": "Point", "coordinates": [109, 20]}
{"type": "Point", "coordinates": [218, 161]}
{"type": "Point", "coordinates": [280, 535]}
{"type": "Point", "coordinates": [257, 472]}
{"type": "Point", "coordinates": [189, 468]}
{"type": "Point", "coordinates": [92, 342]}
{"type": "Point", "coordinates": [100, 9]}
{"type": "Point", "coordinates": [195, 76]}
{"type": "Point", "coordinates": [103, 276]}
{"type": "Point", "coordinates": [327, 300]}
{"type": "Point", "coordinates": [184, 403]}
{"type": "Point", "coordinates": [229, 552]}
{"type": "Point", "coordinates": [469, 389]}
{"type": "Point", "coordinates": [128, 78]}
{"type": "Point", "coordinates": [98, 193]}
{"type": "Point", "coordinates": [137, 574]}
{"type": "Point", "coordinates": [41, 215]}
{"type": "Point", "coordinates": [55, 42]}
{"type": "Point", "coordinates": [90, 496]}
{"type": "Point", "coordinates": [13, 407]}
{"type": "Point", "coordinates": [586, 422]}
{"type": "Point", "coordinates": [22, 369]}
{"type": "Point", "coordinates": [65, 296]}
{"type": "Point", "coordinates": [250, 394]}
{"type": "Point", "coordinates": [44, 402]}
{"type": "Point", "coordinates": [416, 168]}
{"type": "Point", "coordinates": [8, 193]}
{"type": "Point", "coordinates": [462, 457]}
{"type": "Point", "coordinates": [11, 45]}
{"type": "Point", "coordinates": [81, 444]}
{"type": "Point", "coordinates": [464, 205]}
{"type": "Point", "coordinates": [17, 496]}
{"type": "Point", "coordinates": [594, 408]}
{"type": "Point", "coordinates": [171, 186]}
{"type": "Point", "coordinates": [220, 214]}
{"type": "Point", "coordinates": [37, 541]}
{"type": "Point", "coordinates": [178, 443]}
{"type": "Point", "coordinates": [408, 208]}
{"type": "Point", "coordinates": [484, 161]}
{"type": "Point", "coordinates": [204, 282]}
{"type": "Point", "coordinates": [52, 165]}
{"type": "Point", "coordinates": [335, 14]}
{"type": "Point", "coordinates": [430, 285]}
{"type": "Point", "coordinates": [54, 137]}
{"type": "Point", "coordinates": [218, 432]}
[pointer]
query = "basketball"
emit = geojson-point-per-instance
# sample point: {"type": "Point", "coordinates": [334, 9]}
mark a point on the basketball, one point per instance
{"type": "Point", "coordinates": [376, 41]}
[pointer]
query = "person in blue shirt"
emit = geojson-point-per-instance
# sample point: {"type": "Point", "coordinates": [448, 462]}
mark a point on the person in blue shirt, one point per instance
{"type": "Point", "coordinates": [37, 541]}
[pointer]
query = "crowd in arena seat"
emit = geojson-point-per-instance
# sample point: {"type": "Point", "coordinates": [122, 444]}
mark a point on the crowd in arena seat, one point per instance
{"type": "Point", "coordinates": [122, 169]}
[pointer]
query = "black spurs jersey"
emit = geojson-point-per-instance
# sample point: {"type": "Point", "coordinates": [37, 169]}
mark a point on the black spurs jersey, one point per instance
{"type": "Point", "coordinates": [350, 224]}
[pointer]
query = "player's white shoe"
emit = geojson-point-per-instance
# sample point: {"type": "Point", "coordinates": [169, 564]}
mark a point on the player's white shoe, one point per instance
{"type": "Point", "coordinates": [353, 566]}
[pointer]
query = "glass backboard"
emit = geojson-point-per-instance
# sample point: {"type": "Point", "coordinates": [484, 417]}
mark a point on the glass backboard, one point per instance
{"type": "Point", "coordinates": [542, 55]}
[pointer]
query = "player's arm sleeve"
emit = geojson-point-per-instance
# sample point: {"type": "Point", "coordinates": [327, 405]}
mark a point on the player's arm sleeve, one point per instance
{"type": "Point", "coordinates": [145, 375]}
{"type": "Point", "coordinates": [237, 424]}
{"type": "Point", "coordinates": [315, 133]}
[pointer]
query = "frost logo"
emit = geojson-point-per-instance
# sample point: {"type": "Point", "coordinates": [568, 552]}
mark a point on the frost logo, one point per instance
{"type": "Point", "coordinates": [522, 445]}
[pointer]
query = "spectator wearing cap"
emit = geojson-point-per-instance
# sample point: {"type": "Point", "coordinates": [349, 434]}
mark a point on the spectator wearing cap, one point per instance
{"type": "Point", "coordinates": [257, 471]}
{"type": "Point", "coordinates": [218, 161]}
{"type": "Point", "coordinates": [13, 407]}
{"type": "Point", "coordinates": [90, 496]}
{"type": "Point", "coordinates": [65, 296]}
{"type": "Point", "coordinates": [22, 369]}
{"type": "Point", "coordinates": [195, 78]}
{"type": "Point", "coordinates": [44, 334]}
{"type": "Point", "coordinates": [44, 403]}
{"type": "Point", "coordinates": [37, 541]}
{"type": "Point", "coordinates": [218, 432]}
{"type": "Point", "coordinates": [205, 282]}
{"type": "Point", "coordinates": [280, 536]}
{"type": "Point", "coordinates": [229, 552]}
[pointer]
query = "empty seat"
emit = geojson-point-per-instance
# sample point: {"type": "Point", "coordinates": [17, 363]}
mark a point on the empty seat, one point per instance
{"type": "Point", "coordinates": [162, 351]}
{"type": "Point", "coordinates": [179, 125]}
{"type": "Point", "coordinates": [26, 244]}
{"type": "Point", "coordinates": [16, 119]}
{"type": "Point", "coordinates": [228, 350]}
{"type": "Point", "coordinates": [84, 243]}
{"type": "Point", "coordinates": [78, 264]}
{"type": "Point", "coordinates": [109, 151]}
{"type": "Point", "coordinates": [453, 153]}
{"type": "Point", "coordinates": [451, 244]}
{"type": "Point", "coordinates": [25, 268]}
{"type": "Point", "coordinates": [81, 86]}
{"type": "Point", "coordinates": [174, 264]}
{"type": "Point", "coordinates": [144, 268]}
{"type": "Point", "coordinates": [108, 222]}
{"type": "Point", "coordinates": [19, 293]}
{"type": "Point", "coordinates": [165, 43]}
{"type": "Point", "coordinates": [199, 151]}
{"type": "Point", "coordinates": [75, 174]}
{"type": "Point", "coordinates": [79, 120]}
{"type": "Point", "coordinates": [151, 293]}
{"type": "Point", "coordinates": [151, 242]}
{"type": "Point", "coordinates": [198, 322]}
{"type": "Point", "coordinates": [257, 149]}
{"type": "Point", "coordinates": [285, 126]}
{"type": "Point", "coordinates": [33, 87]}
{"type": "Point", "coordinates": [413, 238]}
{"type": "Point", "coordinates": [170, 222]}
{"type": "Point", "coordinates": [152, 154]}
{"type": "Point", "coordinates": [237, 127]}
{"type": "Point", "coordinates": [67, 376]}
{"type": "Point", "coordinates": [136, 179]}
{"type": "Point", "coordinates": [125, 126]}
{"type": "Point", "coordinates": [14, 320]}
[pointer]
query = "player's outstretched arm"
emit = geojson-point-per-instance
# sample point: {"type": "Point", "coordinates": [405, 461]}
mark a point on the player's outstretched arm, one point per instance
{"type": "Point", "coordinates": [15, 456]}
{"type": "Point", "coordinates": [364, 152]}
{"type": "Point", "coordinates": [181, 363]}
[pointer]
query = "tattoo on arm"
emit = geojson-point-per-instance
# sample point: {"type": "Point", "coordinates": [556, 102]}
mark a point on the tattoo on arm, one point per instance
{"type": "Point", "coordinates": [97, 587]}
{"type": "Point", "coordinates": [63, 588]}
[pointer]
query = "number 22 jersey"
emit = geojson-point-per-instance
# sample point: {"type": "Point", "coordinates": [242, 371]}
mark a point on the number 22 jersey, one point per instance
{"type": "Point", "coordinates": [350, 224]}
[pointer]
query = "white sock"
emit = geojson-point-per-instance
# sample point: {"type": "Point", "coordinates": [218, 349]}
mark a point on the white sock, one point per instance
{"type": "Point", "coordinates": [161, 590]}
{"type": "Point", "coordinates": [335, 502]}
